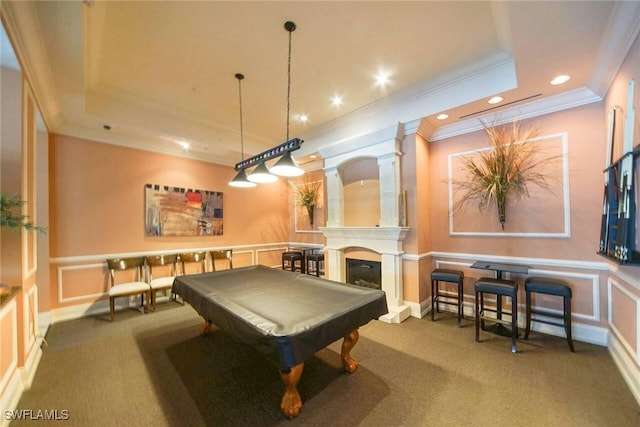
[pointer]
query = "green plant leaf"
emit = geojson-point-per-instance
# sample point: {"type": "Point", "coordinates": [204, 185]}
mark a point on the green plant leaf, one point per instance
{"type": "Point", "coordinates": [12, 220]}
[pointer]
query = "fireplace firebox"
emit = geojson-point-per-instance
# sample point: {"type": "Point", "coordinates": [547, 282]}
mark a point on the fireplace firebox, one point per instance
{"type": "Point", "coordinates": [364, 273]}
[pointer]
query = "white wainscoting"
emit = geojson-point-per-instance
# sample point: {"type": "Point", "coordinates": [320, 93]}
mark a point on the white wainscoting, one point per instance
{"type": "Point", "coordinates": [94, 302]}
{"type": "Point", "coordinates": [10, 381]}
{"type": "Point", "coordinates": [625, 356]}
{"type": "Point", "coordinates": [574, 270]}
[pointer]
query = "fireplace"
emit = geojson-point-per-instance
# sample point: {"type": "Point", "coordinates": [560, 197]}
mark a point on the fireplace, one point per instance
{"type": "Point", "coordinates": [364, 273]}
{"type": "Point", "coordinates": [386, 237]}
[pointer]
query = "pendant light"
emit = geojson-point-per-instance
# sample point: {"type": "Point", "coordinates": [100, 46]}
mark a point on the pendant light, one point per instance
{"type": "Point", "coordinates": [240, 180]}
{"type": "Point", "coordinates": [262, 175]}
{"type": "Point", "coordinates": [287, 165]}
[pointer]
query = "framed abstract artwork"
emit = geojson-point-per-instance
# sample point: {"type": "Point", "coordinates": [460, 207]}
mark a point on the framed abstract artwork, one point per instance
{"type": "Point", "coordinates": [175, 211]}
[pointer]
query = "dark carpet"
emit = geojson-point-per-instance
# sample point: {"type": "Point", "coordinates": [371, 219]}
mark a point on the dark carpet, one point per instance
{"type": "Point", "coordinates": [156, 370]}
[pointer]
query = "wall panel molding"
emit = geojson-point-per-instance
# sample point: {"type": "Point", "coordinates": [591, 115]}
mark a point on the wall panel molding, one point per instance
{"type": "Point", "coordinates": [563, 139]}
{"type": "Point", "coordinates": [9, 313]}
{"type": "Point", "coordinates": [626, 365]}
{"type": "Point", "coordinates": [594, 316]}
{"type": "Point", "coordinates": [30, 318]}
{"type": "Point", "coordinates": [543, 262]}
{"type": "Point", "coordinates": [60, 282]}
{"type": "Point", "coordinates": [586, 272]}
{"type": "Point", "coordinates": [95, 290]}
{"type": "Point", "coordinates": [77, 259]}
{"type": "Point", "coordinates": [619, 337]}
{"type": "Point", "coordinates": [16, 379]}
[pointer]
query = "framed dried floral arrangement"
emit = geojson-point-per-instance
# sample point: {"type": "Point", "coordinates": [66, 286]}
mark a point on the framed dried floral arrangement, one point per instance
{"type": "Point", "coordinates": [520, 172]}
{"type": "Point", "coordinates": [309, 213]}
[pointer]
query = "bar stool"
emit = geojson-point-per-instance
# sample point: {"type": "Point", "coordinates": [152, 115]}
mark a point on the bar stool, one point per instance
{"type": "Point", "coordinates": [291, 259]}
{"type": "Point", "coordinates": [452, 276]}
{"type": "Point", "coordinates": [549, 286]}
{"type": "Point", "coordinates": [316, 261]}
{"type": "Point", "coordinates": [499, 288]}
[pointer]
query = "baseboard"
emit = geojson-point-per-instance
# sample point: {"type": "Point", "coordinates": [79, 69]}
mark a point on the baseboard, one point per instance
{"type": "Point", "coordinates": [91, 309]}
{"type": "Point", "coordinates": [28, 371]}
{"type": "Point", "coordinates": [626, 365]}
{"type": "Point", "coordinates": [419, 310]}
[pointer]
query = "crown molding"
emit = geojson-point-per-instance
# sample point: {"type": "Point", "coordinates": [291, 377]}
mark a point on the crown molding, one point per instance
{"type": "Point", "coordinates": [20, 23]}
{"type": "Point", "coordinates": [493, 74]}
{"type": "Point", "coordinates": [552, 104]}
{"type": "Point", "coordinates": [621, 32]}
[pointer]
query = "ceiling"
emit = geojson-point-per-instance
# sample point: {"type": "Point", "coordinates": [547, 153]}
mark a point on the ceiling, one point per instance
{"type": "Point", "coordinates": [161, 74]}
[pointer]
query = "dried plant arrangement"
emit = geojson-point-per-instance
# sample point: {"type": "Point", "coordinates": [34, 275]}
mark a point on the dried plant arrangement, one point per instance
{"type": "Point", "coordinates": [509, 167]}
{"type": "Point", "coordinates": [307, 197]}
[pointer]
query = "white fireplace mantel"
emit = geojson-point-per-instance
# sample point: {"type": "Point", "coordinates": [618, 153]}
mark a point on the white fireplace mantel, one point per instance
{"type": "Point", "coordinates": [385, 239]}
{"type": "Point", "coordinates": [379, 239]}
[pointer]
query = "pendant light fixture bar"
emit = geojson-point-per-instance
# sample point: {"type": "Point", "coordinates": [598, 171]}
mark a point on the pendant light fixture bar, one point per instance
{"type": "Point", "coordinates": [287, 165]}
{"type": "Point", "coordinates": [272, 153]}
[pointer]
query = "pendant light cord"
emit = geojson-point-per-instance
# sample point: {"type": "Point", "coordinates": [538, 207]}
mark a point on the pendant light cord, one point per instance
{"type": "Point", "coordinates": [290, 27]}
{"type": "Point", "coordinates": [240, 77]}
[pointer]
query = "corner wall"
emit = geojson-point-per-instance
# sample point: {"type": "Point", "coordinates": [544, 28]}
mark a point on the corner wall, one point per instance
{"type": "Point", "coordinates": [623, 282]}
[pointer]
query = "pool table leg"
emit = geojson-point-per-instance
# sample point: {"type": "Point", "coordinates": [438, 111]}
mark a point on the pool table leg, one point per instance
{"type": "Point", "coordinates": [291, 402]}
{"type": "Point", "coordinates": [349, 363]}
{"type": "Point", "coordinates": [205, 328]}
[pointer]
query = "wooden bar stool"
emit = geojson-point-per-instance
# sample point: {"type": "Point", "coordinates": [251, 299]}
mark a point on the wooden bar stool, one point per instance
{"type": "Point", "coordinates": [293, 261]}
{"type": "Point", "coordinates": [499, 288]}
{"type": "Point", "coordinates": [452, 276]}
{"type": "Point", "coordinates": [549, 286]}
{"type": "Point", "coordinates": [317, 261]}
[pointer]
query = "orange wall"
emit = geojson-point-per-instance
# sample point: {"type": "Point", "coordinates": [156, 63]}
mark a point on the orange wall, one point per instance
{"type": "Point", "coordinates": [9, 342]}
{"type": "Point", "coordinates": [302, 231]}
{"type": "Point", "coordinates": [624, 281]}
{"type": "Point", "coordinates": [572, 258]}
{"type": "Point", "coordinates": [585, 129]}
{"type": "Point", "coordinates": [18, 320]}
{"type": "Point", "coordinates": [422, 186]}
{"type": "Point", "coordinates": [416, 181]}
{"type": "Point", "coordinates": [10, 170]}
{"type": "Point", "coordinates": [97, 211]}
{"type": "Point", "coordinates": [361, 193]}
{"type": "Point", "coordinates": [97, 200]}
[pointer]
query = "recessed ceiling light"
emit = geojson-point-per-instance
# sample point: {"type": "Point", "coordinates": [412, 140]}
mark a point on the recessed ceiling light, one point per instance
{"type": "Point", "coordinates": [184, 145]}
{"type": "Point", "coordinates": [442, 116]}
{"type": "Point", "coordinates": [313, 156]}
{"type": "Point", "coordinates": [303, 118]}
{"type": "Point", "coordinates": [558, 80]}
{"type": "Point", "coordinates": [336, 100]}
{"type": "Point", "coordinates": [382, 78]}
{"type": "Point", "coordinates": [495, 100]}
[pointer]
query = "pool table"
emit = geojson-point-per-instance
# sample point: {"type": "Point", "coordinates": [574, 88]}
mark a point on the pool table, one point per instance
{"type": "Point", "coordinates": [284, 315]}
